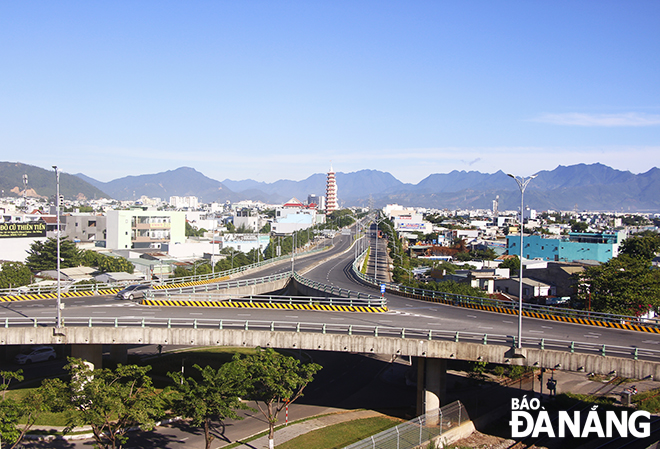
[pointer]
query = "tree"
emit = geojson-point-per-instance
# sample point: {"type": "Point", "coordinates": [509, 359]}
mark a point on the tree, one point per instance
{"type": "Point", "coordinates": [275, 380]}
{"type": "Point", "coordinates": [215, 396]}
{"type": "Point", "coordinates": [625, 285]}
{"type": "Point", "coordinates": [512, 263]}
{"type": "Point", "coordinates": [644, 245]}
{"type": "Point", "coordinates": [14, 274]}
{"type": "Point", "coordinates": [43, 255]}
{"type": "Point", "coordinates": [25, 411]}
{"type": "Point", "coordinates": [115, 264]}
{"type": "Point", "coordinates": [109, 401]}
{"type": "Point", "coordinates": [579, 226]}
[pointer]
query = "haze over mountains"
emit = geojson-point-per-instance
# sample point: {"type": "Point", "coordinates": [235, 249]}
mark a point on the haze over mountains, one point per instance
{"type": "Point", "coordinates": [585, 187]}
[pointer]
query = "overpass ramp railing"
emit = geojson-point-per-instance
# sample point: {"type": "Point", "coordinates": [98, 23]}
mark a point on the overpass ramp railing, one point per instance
{"type": "Point", "coordinates": [69, 289]}
{"type": "Point", "coordinates": [511, 307]}
{"type": "Point", "coordinates": [625, 352]}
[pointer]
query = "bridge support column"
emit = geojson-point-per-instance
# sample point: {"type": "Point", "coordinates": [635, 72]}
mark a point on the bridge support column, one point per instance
{"type": "Point", "coordinates": [119, 354]}
{"type": "Point", "coordinates": [90, 353]}
{"type": "Point", "coordinates": [431, 384]}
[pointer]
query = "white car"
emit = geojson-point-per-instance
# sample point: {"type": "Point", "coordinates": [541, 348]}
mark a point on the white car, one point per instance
{"type": "Point", "coordinates": [36, 354]}
{"type": "Point", "coordinates": [134, 291]}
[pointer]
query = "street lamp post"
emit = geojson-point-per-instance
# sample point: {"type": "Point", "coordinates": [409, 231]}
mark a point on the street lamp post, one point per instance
{"type": "Point", "coordinates": [522, 184]}
{"type": "Point", "coordinates": [377, 220]}
{"type": "Point", "coordinates": [58, 323]}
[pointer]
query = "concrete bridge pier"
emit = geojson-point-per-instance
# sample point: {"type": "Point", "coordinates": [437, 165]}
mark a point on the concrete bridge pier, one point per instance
{"type": "Point", "coordinates": [431, 384]}
{"type": "Point", "coordinates": [90, 353]}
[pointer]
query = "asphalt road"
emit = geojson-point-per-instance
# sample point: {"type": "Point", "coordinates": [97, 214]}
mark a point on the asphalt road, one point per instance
{"type": "Point", "coordinates": [335, 270]}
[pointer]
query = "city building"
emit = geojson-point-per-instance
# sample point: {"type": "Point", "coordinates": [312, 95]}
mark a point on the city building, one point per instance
{"type": "Point", "coordinates": [184, 202]}
{"type": "Point", "coordinates": [331, 192]}
{"type": "Point", "coordinates": [138, 228]}
{"type": "Point", "coordinates": [294, 216]}
{"type": "Point", "coordinates": [599, 247]}
{"type": "Point", "coordinates": [84, 228]}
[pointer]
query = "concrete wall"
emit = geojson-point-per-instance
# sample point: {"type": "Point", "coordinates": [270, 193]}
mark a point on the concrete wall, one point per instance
{"type": "Point", "coordinates": [565, 360]}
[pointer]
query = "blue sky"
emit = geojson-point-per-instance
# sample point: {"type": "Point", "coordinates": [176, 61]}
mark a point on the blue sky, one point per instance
{"type": "Point", "coordinates": [278, 89]}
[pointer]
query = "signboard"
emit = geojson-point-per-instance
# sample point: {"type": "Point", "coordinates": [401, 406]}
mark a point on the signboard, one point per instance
{"type": "Point", "coordinates": [382, 289]}
{"type": "Point", "coordinates": [411, 226]}
{"type": "Point", "coordinates": [13, 230]}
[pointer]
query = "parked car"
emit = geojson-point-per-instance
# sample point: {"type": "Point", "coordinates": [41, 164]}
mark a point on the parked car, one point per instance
{"type": "Point", "coordinates": [36, 354]}
{"type": "Point", "coordinates": [134, 291]}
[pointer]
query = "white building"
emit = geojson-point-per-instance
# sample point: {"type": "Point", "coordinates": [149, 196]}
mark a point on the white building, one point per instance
{"type": "Point", "coordinates": [184, 202]}
{"type": "Point", "coordinates": [137, 228]}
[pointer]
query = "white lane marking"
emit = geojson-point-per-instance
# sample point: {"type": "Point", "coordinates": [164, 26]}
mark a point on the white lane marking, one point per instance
{"type": "Point", "coordinates": [472, 316]}
{"type": "Point", "coordinates": [546, 327]}
{"type": "Point", "coordinates": [291, 316]}
{"type": "Point", "coordinates": [507, 322]}
{"type": "Point", "coordinates": [484, 327]}
{"type": "Point", "coordinates": [93, 312]}
{"type": "Point", "coordinates": [338, 319]}
{"type": "Point", "coordinates": [384, 321]}
{"type": "Point", "coordinates": [595, 333]}
{"type": "Point", "coordinates": [651, 342]}
{"type": "Point", "coordinates": [535, 332]}
{"type": "Point", "coordinates": [592, 336]}
{"type": "Point", "coordinates": [242, 314]}
{"type": "Point", "coordinates": [195, 313]}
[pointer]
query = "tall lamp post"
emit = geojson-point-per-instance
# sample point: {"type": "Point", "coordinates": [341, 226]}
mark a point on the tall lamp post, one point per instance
{"type": "Point", "coordinates": [522, 183]}
{"type": "Point", "coordinates": [57, 211]}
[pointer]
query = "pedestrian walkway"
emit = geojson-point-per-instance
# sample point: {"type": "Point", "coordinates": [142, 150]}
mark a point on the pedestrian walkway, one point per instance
{"type": "Point", "coordinates": [296, 429]}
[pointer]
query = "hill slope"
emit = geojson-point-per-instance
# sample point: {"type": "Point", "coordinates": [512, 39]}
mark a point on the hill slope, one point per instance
{"type": "Point", "coordinates": [42, 183]}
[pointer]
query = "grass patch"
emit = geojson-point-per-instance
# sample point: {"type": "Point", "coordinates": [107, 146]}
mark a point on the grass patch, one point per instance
{"type": "Point", "coordinates": [649, 401]}
{"type": "Point", "coordinates": [341, 434]}
{"type": "Point", "coordinates": [570, 399]}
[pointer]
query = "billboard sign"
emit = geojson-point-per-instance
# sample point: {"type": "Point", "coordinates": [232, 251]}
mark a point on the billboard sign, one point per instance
{"type": "Point", "coordinates": [17, 230]}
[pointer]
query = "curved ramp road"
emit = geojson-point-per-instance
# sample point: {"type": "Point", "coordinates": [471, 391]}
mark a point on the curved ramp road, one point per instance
{"type": "Point", "coordinates": [333, 267]}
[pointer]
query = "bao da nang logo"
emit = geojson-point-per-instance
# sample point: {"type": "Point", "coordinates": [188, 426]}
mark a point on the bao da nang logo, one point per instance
{"type": "Point", "coordinates": [529, 418]}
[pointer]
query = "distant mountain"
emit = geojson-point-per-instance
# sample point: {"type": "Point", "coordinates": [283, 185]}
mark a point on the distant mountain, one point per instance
{"type": "Point", "coordinates": [184, 181]}
{"type": "Point", "coordinates": [585, 187]}
{"type": "Point", "coordinates": [353, 188]}
{"type": "Point", "coordinates": [42, 183]}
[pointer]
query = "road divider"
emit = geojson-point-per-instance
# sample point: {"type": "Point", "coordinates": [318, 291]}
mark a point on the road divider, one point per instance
{"type": "Point", "coordinates": [301, 304]}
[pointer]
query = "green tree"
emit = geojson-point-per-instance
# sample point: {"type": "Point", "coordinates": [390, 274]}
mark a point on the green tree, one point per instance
{"type": "Point", "coordinates": [579, 226]}
{"type": "Point", "coordinates": [14, 274]}
{"type": "Point", "coordinates": [215, 396]}
{"type": "Point", "coordinates": [43, 255]}
{"type": "Point", "coordinates": [265, 229]}
{"type": "Point", "coordinates": [512, 263]}
{"type": "Point", "coordinates": [644, 245]}
{"type": "Point", "coordinates": [110, 264]}
{"type": "Point", "coordinates": [109, 401]}
{"type": "Point", "coordinates": [91, 258]}
{"type": "Point", "coordinates": [18, 416]}
{"type": "Point", "coordinates": [275, 380]}
{"type": "Point", "coordinates": [625, 285]}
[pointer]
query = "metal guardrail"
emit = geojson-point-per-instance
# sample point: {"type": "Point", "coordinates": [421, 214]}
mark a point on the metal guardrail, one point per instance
{"type": "Point", "coordinates": [333, 294]}
{"type": "Point", "coordinates": [68, 287]}
{"type": "Point", "coordinates": [626, 352]}
{"type": "Point", "coordinates": [278, 299]}
{"type": "Point", "coordinates": [463, 300]}
{"type": "Point", "coordinates": [217, 286]}
{"type": "Point", "coordinates": [342, 292]}
{"type": "Point", "coordinates": [418, 431]}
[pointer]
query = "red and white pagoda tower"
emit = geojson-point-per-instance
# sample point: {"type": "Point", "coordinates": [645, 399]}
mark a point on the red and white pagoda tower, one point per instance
{"type": "Point", "coordinates": [331, 192]}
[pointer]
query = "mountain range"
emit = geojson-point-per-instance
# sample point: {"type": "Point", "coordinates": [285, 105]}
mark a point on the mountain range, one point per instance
{"type": "Point", "coordinates": [594, 187]}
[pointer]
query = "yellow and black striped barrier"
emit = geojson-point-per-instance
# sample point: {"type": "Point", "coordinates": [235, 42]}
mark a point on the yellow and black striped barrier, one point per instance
{"type": "Point", "coordinates": [543, 316]}
{"type": "Point", "coordinates": [34, 297]}
{"type": "Point", "coordinates": [108, 291]}
{"type": "Point", "coordinates": [260, 305]}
